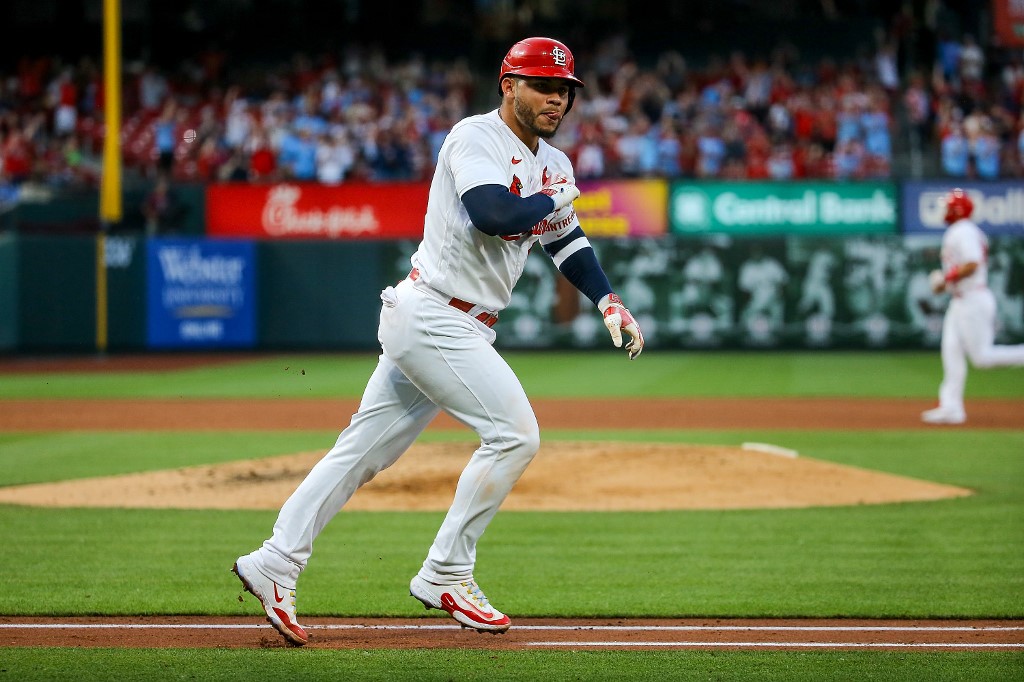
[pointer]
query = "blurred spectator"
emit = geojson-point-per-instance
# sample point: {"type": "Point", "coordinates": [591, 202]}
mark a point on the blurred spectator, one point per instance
{"type": "Point", "coordinates": [298, 154]}
{"type": "Point", "coordinates": [18, 157]}
{"type": "Point", "coordinates": [153, 89]}
{"type": "Point", "coordinates": [711, 152]}
{"type": "Point", "coordinates": [918, 105]}
{"type": "Point", "coordinates": [165, 136]}
{"type": "Point", "coordinates": [955, 152]}
{"type": "Point", "coordinates": [780, 163]}
{"type": "Point", "coordinates": [636, 148]}
{"type": "Point", "coordinates": [971, 63]}
{"type": "Point", "coordinates": [985, 148]}
{"type": "Point", "coordinates": [161, 209]}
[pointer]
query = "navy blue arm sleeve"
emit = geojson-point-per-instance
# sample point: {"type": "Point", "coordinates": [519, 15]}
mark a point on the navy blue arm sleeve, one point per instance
{"type": "Point", "coordinates": [496, 211]}
{"type": "Point", "coordinates": [581, 268]}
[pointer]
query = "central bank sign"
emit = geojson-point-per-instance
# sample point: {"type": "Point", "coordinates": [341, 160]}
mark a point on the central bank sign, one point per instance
{"type": "Point", "coordinates": [792, 208]}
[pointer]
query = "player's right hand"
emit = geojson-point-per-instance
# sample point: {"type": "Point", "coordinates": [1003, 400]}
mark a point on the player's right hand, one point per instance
{"type": "Point", "coordinates": [937, 281]}
{"type": "Point", "coordinates": [561, 191]}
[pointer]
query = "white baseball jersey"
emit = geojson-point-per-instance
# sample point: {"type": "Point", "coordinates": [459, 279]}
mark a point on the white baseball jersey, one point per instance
{"type": "Point", "coordinates": [962, 243]}
{"type": "Point", "coordinates": [455, 257]}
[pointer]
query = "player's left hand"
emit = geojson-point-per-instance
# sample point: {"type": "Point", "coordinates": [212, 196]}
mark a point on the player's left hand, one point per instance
{"type": "Point", "coordinates": [618, 319]}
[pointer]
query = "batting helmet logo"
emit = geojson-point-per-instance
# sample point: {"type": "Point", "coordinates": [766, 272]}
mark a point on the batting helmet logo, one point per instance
{"type": "Point", "coordinates": [540, 58]}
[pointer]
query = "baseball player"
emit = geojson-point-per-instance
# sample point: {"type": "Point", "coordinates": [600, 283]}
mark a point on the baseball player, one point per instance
{"type": "Point", "coordinates": [498, 189]}
{"type": "Point", "coordinates": [969, 326]}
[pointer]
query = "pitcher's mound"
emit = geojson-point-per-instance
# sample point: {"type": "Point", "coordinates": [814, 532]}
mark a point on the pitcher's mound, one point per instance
{"type": "Point", "coordinates": [565, 476]}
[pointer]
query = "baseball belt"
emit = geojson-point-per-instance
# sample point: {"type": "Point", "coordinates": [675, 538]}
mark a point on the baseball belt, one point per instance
{"type": "Point", "coordinates": [489, 319]}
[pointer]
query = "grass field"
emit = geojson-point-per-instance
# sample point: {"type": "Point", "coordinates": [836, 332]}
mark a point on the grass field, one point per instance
{"type": "Point", "coordinates": [958, 558]}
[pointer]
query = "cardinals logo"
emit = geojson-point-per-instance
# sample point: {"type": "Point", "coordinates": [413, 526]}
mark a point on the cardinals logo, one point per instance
{"type": "Point", "coordinates": [517, 186]}
{"type": "Point", "coordinates": [544, 177]}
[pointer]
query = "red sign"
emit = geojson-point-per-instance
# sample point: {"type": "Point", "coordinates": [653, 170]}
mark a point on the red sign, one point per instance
{"type": "Point", "coordinates": [308, 211]}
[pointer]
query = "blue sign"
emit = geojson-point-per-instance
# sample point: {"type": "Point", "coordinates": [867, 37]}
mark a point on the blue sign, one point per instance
{"type": "Point", "coordinates": [998, 206]}
{"type": "Point", "coordinates": [200, 293]}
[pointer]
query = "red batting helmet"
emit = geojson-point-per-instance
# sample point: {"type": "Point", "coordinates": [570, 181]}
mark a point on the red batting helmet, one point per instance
{"type": "Point", "coordinates": [958, 205]}
{"type": "Point", "coordinates": [541, 58]}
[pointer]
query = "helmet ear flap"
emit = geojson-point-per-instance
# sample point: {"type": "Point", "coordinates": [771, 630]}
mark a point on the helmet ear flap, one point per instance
{"type": "Point", "coordinates": [572, 98]}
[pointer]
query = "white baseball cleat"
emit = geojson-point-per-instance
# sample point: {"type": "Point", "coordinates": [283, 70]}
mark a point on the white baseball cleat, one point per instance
{"type": "Point", "coordinates": [943, 415]}
{"type": "Point", "coordinates": [464, 601]}
{"type": "Point", "coordinates": [277, 601]}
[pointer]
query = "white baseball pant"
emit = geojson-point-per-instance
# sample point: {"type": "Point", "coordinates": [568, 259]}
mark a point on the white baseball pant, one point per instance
{"type": "Point", "coordinates": [435, 357]}
{"type": "Point", "coordinates": [968, 332]}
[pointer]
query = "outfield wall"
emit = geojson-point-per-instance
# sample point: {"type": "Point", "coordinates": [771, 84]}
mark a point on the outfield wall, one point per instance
{"type": "Point", "coordinates": [702, 265]}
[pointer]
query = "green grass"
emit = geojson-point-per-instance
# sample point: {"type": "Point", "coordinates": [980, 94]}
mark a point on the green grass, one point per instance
{"type": "Point", "coordinates": [497, 666]}
{"type": "Point", "coordinates": [954, 558]}
{"type": "Point", "coordinates": [727, 374]}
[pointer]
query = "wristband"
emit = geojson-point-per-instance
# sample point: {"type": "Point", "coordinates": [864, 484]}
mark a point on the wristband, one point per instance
{"type": "Point", "coordinates": [953, 275]}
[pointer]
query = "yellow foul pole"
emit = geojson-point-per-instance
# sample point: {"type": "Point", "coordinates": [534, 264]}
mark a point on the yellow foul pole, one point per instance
{"type": "Point", "coordinates": [110, 190]}
{"type": "Point", "coordinates": [111, 208]}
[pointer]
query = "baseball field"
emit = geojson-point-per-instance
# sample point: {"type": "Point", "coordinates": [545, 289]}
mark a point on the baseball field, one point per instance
{"type": "Point", "coordinates": [704, 515]}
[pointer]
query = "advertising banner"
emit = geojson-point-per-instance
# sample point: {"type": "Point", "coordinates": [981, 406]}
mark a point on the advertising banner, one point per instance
{"type": "Point", "coordinates": [854, 291]}
{"type": "Point", "coordinates": [637, 208]}
{"type": "Point", "coordinates": [200, 293]}
{"type": "Point", "coordinates": [311, 211]}
{"type": "Point", "coordinates": [766, 208]}
{"type": "Point", "coordinates": [998, 206]}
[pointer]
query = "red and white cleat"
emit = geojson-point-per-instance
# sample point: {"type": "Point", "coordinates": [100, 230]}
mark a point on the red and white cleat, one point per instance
{"type": "Point", "coordinates": [277, 601]}
{"type": "Point", "coordinates": [464, 601]}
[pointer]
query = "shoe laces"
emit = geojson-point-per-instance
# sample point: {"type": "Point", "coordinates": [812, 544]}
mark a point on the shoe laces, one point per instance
{"type": "Point", "coordinates": [291, 595]}
{"type": "Point", "coordinates": [476, 593]}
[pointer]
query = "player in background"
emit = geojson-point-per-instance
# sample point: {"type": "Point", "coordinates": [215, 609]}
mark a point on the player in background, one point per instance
{"type": "Point", "coordinates": [969, 326]}
{"type": "Point", "coordinates": [498, 189]}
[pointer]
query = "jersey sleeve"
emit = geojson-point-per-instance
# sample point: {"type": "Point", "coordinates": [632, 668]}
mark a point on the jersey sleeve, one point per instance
{"type": "Point", "coordinates": [563, 221]}
{"type": "Point", "coordinates": [971, 247]}
{"type": "Point", "coordinates": [475, 158]}
{"type": "Point", "coordinates": [558, 225]}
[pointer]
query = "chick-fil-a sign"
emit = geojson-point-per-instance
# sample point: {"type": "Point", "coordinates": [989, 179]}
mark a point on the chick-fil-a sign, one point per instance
{"type": "Point", "coordinates": [309, 211]}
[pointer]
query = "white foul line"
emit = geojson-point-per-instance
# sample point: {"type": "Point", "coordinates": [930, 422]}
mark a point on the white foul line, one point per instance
{"type": "Point", "coordinates": [830, 645]}
{"type": "Point", "coordinates": [577, 628]}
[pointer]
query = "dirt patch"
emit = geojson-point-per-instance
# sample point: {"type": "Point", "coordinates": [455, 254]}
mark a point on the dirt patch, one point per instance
{"type": "Point", "coordinates": [572, 634]}
{"type": "Point", "coordinates": [276, 414]}
{"type": "Point", "coordinates": [565, 476]}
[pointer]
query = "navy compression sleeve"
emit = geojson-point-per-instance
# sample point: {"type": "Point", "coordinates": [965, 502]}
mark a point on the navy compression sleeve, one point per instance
{"type": "Point", "coordinates": [576, 259]}
{"type": "Point", "coordinates": [496, 211]}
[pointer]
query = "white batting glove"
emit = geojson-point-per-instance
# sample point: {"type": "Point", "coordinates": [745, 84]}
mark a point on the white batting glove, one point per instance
{"type": "Point", "coordinates": [618, 319]}
{"type": "Point", "coordinates": [937, 281]}
{"type": "Point", "coordinates": [561, 190]}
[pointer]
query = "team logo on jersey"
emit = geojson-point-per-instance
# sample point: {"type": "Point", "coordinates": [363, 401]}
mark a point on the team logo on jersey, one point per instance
{"type": "Point", "coordinates": [558, 54]}
{"type": "Point", "coordinates": [516, 187]}
{"type": "Point", "coordinates": [544, 177]}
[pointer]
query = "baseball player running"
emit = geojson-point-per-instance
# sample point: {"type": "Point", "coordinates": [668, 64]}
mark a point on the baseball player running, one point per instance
{"type": "Point", "coordinates": [498, 189]}
{"type": "Point", "coordinates": [969, 326]}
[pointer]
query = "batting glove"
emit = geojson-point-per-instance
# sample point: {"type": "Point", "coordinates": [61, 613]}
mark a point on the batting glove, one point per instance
{"type": "Point", "coordinates": [618, 319]}
{"type": "Point", "coordinates": [561, 191]}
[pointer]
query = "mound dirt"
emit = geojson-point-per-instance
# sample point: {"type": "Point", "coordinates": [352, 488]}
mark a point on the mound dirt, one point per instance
{"type": "Point", "coordinates": [565, 476]}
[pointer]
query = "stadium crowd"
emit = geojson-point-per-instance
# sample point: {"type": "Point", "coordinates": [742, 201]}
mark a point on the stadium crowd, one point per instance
{"type": "Point", "coordinates": [356, 116]}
